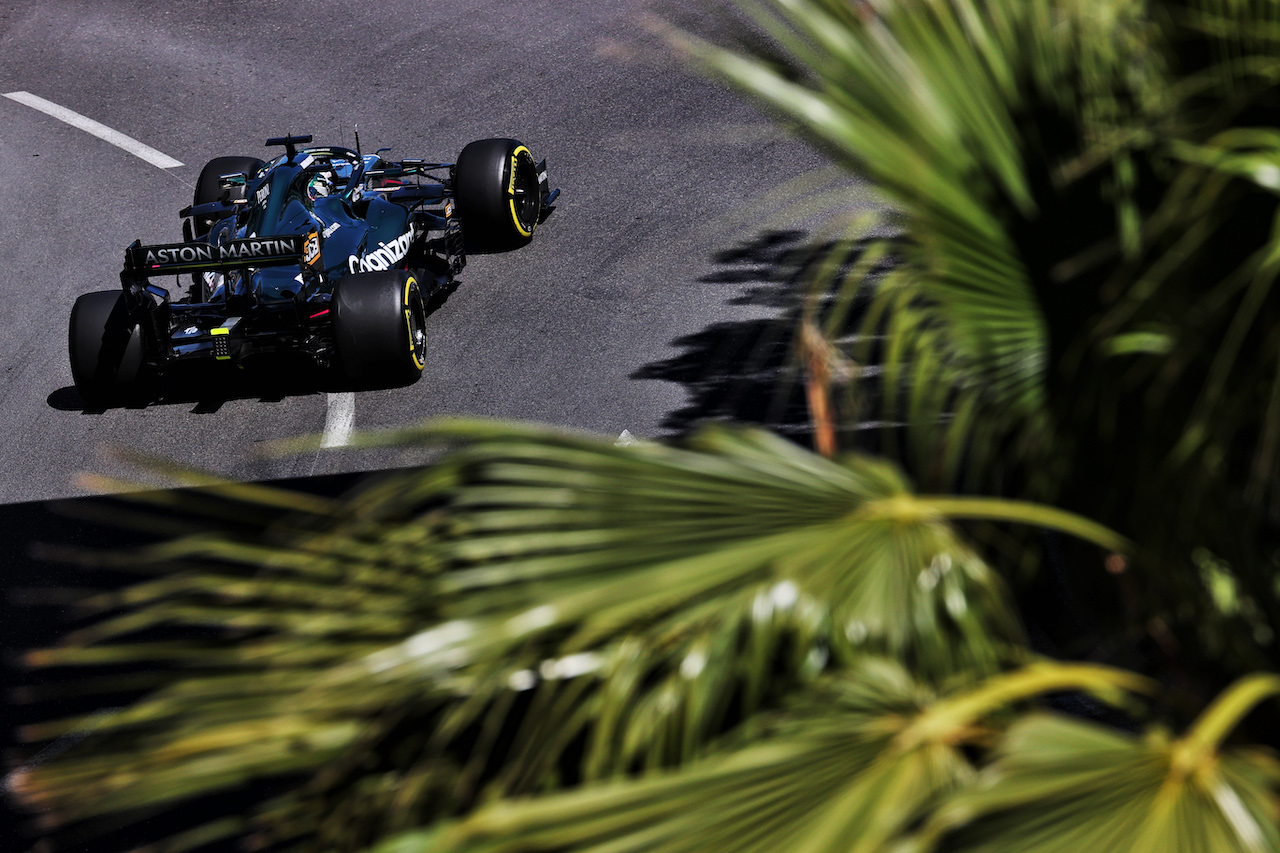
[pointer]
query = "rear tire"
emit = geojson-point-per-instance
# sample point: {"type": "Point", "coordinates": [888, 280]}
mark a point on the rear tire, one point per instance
{"type": "Point", "coordinates": [379, 334]}
{"type": "Point", "coordinates": [106, 352]}
{"type": "Point", "coordinates": [208, 189]}
{"type": "Point", "coordinates": [497, 193]}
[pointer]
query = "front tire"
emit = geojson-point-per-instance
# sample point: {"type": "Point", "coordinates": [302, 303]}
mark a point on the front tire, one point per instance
{"type": "Point", "coordinates": [105, 347]}
{"type": "Point", "coordinates": [497, 193]}
{"type": "Point", "coordinates": [379, 333]}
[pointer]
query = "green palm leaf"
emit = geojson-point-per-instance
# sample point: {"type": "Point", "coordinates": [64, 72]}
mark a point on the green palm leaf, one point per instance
{"type": "Point", "coordinates": [847, 769]}
{"type": "Point", "coordinates": [684, 587]}
{"type": "Point", "coordinates": [927, 114]}
{"type": "Point", "coordinates": [542, 609]}
{"type": "Point", "coordinates": [1066, 785]}
{"type": "Point", "coordinates": [550, 594]}
{"type": "Point", "coordinates": [1086, 197]}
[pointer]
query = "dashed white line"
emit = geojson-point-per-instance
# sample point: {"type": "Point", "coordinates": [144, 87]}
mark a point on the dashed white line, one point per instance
{"type": "Point", "coordinates": [339, 419]}
{"type": "Point", "coordinates": [88, 125]}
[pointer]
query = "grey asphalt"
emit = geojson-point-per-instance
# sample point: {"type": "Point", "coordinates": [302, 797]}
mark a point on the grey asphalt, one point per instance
{"type": "Point", "coordinates": [653, 159]}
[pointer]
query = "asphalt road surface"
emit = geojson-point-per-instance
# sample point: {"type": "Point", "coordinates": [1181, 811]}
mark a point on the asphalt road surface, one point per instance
{"type": "Point", "coordinates": [635, 265]}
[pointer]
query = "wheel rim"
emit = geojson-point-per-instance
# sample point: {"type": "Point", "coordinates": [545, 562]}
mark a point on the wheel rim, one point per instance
{"type": "Point", "coordinates": [414, 324]}
{"type": "Point", "coordinates": [526, 197]}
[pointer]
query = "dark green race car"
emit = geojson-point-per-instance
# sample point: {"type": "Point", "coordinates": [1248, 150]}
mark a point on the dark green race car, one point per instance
{"type": "Point", "coordinates": [322, 251]}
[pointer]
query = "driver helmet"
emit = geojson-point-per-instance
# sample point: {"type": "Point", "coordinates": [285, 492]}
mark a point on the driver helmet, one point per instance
{"type": "Point", "coordinates": [320, 185]}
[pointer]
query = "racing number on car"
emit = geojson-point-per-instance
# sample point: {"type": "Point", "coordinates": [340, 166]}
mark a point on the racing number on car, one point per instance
{"type": "Point", "coordinates": [311, 250]}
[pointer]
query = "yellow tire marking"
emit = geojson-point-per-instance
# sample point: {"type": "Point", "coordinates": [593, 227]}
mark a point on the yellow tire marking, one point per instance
{"type": "Point", "coordinates": [408, 322]}
{"type": "Point", "coordinates": [511, 191]}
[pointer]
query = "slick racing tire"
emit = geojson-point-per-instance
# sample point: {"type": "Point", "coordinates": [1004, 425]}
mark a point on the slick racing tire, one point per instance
{"type": "Point", "coordinates": [208, 189]}
{"type": "Point", "coordinates": [379, 333]}
{"type": "Point", "coordinates": [106, 350]}
{"type": "Point", "coordinates": [497, 193]}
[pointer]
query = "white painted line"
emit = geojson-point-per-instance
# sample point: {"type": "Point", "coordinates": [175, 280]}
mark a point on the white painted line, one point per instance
{"type": "Point", "coordinates": [88, 125]}
{"type": "Point", "coordinates": [339, 420]}
{"type": "Point", "coordinates": [626, 439]}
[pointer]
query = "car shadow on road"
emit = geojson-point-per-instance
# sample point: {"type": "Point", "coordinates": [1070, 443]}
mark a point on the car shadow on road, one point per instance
{"type": "Point", "coordinates": [208, 387]}
{"type": "Point", "coordinates": [747, 371]}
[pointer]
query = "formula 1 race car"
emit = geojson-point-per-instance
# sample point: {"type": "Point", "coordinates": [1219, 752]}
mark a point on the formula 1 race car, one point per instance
{"type": "Point", "coordinates": [322, 251]}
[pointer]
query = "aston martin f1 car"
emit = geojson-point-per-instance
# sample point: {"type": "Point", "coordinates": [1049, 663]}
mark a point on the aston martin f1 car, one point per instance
{"type": "Point", "coordinates": [322, 251]}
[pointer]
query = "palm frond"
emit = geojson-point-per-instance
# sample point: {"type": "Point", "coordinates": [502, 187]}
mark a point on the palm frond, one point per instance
{"type": "Point", "coordinates": [923, 110]}
{"type": "Point", "coordinates": [550, 595]}
{"type": "Point", "coordinates": [1086, 197]}
{"type": "Point", "coordinates": [848, 768]}
{"type": "Point", "coordinates": [1060, 785]}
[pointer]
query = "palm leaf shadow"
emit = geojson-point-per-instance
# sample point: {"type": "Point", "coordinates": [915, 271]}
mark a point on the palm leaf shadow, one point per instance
{"type": "Point", "coordinates": [746, 371]}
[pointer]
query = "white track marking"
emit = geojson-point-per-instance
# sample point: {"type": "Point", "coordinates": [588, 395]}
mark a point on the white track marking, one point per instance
{"type": "Point", "coordinates": [88, 125]}
{"type": "Point", "coordinates": [339, 420]}
{"type": "Point", "coordinates": [341, 413]}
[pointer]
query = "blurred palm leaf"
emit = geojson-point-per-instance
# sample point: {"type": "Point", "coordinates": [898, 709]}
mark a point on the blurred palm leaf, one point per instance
{"type": "Point", "coordinates": [537, 599]}
{"type": "Point", "coordinates": [1061, 785]}
{"type": "Point", "coordinates": [576, 534]}
{"type": "Point", "coordinates": [848, 768]}
{"type": "Point", "coordinates": [542, 610]}
{"type": "Point", "coordinates": [1086, 193]}
{"type": "Point", "coordinates": [938, 103]}
{"type": "Point", "coordinates": [236, 628]}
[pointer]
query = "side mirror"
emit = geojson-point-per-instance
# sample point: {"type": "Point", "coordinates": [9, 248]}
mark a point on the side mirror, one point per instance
{"type": "Point", "coordinates": [226, 182]}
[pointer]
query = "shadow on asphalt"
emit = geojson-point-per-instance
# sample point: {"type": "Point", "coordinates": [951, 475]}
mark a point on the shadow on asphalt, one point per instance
{"type": "Point", "coordinates": [207, 387]}
{"type": "Point", "coordinates": [747, 371]}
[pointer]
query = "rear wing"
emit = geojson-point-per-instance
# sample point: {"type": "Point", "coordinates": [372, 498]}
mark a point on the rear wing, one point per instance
{"type": "Point", "coordinates": [142, 262]}
{"type": "Point", "coordinates": [171, 258]}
